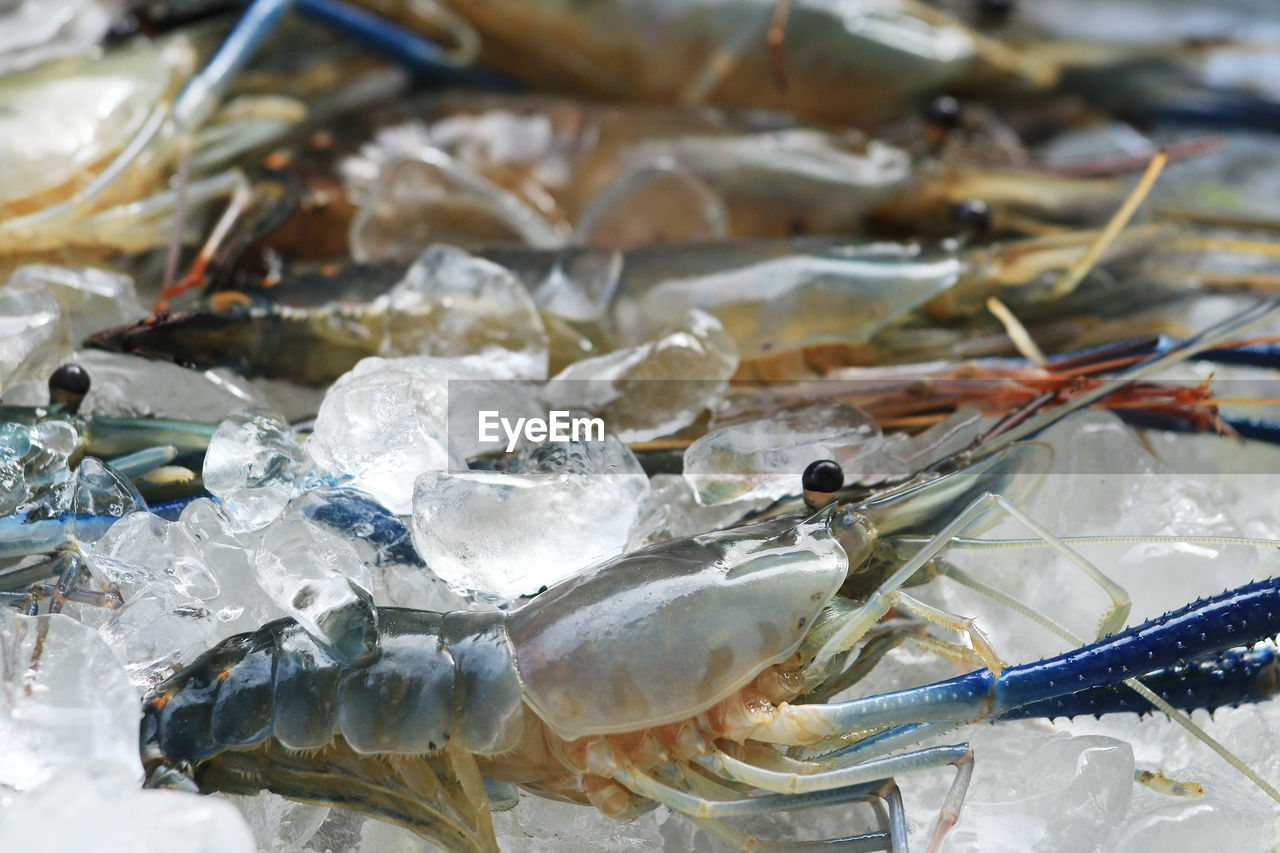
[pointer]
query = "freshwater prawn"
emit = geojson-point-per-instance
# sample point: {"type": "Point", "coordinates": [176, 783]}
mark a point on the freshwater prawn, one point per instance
{"type": "Point", "coordinates": [573, 695]}
{"type": "Point", "coordinates": [849, 61]}
{"type": "Point", "coordinates": [773, 297]}
{"type": "Point", "coordinates": [143, 107]}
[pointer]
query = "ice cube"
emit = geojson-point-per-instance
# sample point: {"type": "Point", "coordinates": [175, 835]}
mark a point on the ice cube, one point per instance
{"type": "Point", "coordinates": [75, 811]}
{"type": "Point", "coordinates": [383, 423]}
{"type": "Point", "coordinates": [1072, 797]}
{"type": "Point", "coordinates": [45, 464]}
{"type": "Point", "coordinates": [279, 825]}
{"type": "Point", "coordinates": [255, 463]}
{"type": "Point", "coordinates": [451, 303]}
{"type": "Point", "coordinates": [74, 709]}
{"type": "Point", "coordinates": [171, 593]}
{"type": "Point", "coordinates": [765, 457]}
{"type": "Point", "coordinates": [240, 604]}
{"type": "Point", "coordinates": [15, 441]}
{"type": "Point", "coordinates": [318, 578]}
{"type": "Point", "coordinates": [158, 624]}
{"type": "Point", "coordinates": [538, 825]}
{"type": "Point", "coordinates": [35, 334]}
{"type": "Point", "coordinates": [92, 299]}
{"type": "Point", "coordinates": [655, 388]}
{"type": "Point", "coordinates": [385, 546]}
{"type": "Point", "coordinates": [142, 547]}
{"type": "Point", "coordinates": [501, 535]}
{"type": "Point", "coordinates": [125, 385]}
{"type": "Point", "coordinates": [98, 491]}
{"type": "Point", "coordinates": [671, 511]}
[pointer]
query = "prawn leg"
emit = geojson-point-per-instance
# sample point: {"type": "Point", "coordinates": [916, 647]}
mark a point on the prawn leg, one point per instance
{"type": "Point", "coordinates": [710, 812]}
{"type": "Point", "coordinates": [888, 594]}
{"type": "Point", "coordinates": [791, 790]}
{"type": "Point", "coordinates": [1204, 627]}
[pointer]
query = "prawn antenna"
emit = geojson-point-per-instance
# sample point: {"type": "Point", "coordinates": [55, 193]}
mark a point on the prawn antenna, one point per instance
{"type": "Point", "coordinates": [1209, 338]}
{"type": "Point", "coordinates": [1078, 270]}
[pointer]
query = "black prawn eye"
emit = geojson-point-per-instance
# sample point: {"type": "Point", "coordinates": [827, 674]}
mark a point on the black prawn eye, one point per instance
{"type": "Point", "coordinates": [821, 480]}
{"type": "Point", "coordinates": [972, 218]}
{"type": "Point", "coordinates": [944, 113]}
{"type": "Point", "coordinates": [68, 385]}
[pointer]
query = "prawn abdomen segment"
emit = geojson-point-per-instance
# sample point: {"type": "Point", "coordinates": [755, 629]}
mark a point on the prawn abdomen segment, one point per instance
{"type": "Point", "coordinates": [438, 678]}
{"type": "Point", "coordinates": [613, 650]}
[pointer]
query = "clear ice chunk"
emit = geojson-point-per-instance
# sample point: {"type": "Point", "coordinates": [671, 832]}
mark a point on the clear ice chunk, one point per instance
{"type": "Point", "coordinates": [318, 578]}
{"type": "Point", "coordinates": [158, 624]}
{"type": "Point", "coordinates": [655, 388]}
{"type": "Point", "coordinates": [385, 545]}
{"type": "Point", "coordinates": [279, 825]}
{"type": "Point", "coordinates": [141, 548]}
{"type": "Point", "coordinates": [239, 602]}
{"type": "Point", "coordinates": [451, 303]}
{"type": "Point", "coordinates": [1074, 798]}
{"type": "Point", "coordinates": [76, 811]}
{"type": "Point", "coordinates": [255, 464]}
{"type": "Point", "coordinates": [671, 511]}
{"type": "Point", "coordinates": [35, 334]}
{"type": "Point", "coordinates": [1102, 481]}
{"type": "Point", "coordinates": [52, 443]}
{"type": "Point", "coordinates": [538, 825]}
{"type": "Point", "coordinates": [175, 589]}
{"type": "Point", "coordinates": [92, 299]}
{"type": "Point", "coordinates": [76, 709]}
{"type": "Point", "coordinates": [384, 422]}
{"type": "Point", "coordinates": [15, 441]}
{"type": "Point", "coordinates": [99, 491]}
{"type": "Point", "coordinates": [125, 385]}
{"type": "Point", "coordinates": [765, 458]}
{"type": "Point", "coordinates": [502, 535]}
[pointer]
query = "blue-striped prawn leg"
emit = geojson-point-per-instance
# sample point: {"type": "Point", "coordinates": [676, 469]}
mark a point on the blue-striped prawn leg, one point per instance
{"type": "Point", "coordinates": [1235, 677]}
{"type": "Point", "coordinates": [1250, 613]}
{"type": "Point", "coordinates": [1214, 624]}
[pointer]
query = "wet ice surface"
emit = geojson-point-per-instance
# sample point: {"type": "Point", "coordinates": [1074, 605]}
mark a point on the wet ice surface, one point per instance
{"type": "Point", "coordinates": [502, 535]}
{"type": "Point", "coordinates": [69, 767]}
{"type": "Point", "coordinates": [76, 709]}
{"type": "Point", "coordinates": [1125, 490]}
{"type": "Point", "coordinates": [765, 457]}
{"type": "Point", "coordinates": [451, 303]}
{"type": "Point", "coordinates": [112, 815]}
{"type": "Point", "coordinates": [652, 389]}
{"type": "Point", "coordinates": [254, 465]}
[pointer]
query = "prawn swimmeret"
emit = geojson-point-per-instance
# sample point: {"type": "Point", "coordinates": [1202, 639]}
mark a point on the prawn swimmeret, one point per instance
{"type": "Point", "coordinates": [668, 674]}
